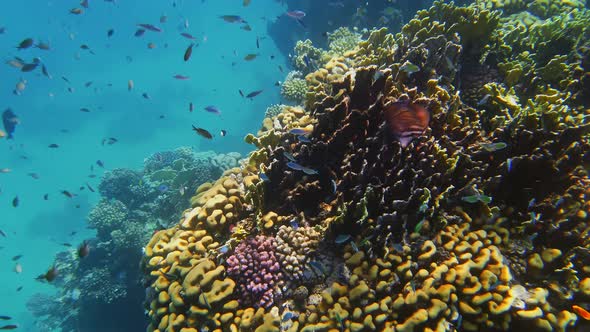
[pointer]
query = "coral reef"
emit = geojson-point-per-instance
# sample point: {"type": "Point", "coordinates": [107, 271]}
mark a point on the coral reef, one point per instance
{"type": "Point", "coordinates": [435, 180]}
{"type": "Point", "coordinates": [134, 204]}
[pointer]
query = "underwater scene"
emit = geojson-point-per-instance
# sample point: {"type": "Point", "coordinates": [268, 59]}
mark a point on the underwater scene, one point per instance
{"type": "Point", "coordinates": [295, 165]}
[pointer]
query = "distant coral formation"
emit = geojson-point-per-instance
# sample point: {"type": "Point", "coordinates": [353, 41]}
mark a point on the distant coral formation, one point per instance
{"type": "Point", "coordinates": [134, 204]}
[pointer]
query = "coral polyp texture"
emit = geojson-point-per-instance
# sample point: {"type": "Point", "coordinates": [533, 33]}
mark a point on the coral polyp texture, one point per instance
{"type": "Point", "coordinates": [434, 180]}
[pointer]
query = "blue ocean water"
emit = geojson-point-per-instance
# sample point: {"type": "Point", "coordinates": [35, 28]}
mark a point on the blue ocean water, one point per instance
{"type": "Point", "coordinates": [104, 121]}
{"type": "Point", "coordinates": [49, 114]}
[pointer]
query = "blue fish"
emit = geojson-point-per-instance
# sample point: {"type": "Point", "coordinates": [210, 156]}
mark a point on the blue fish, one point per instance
{"type": "Point", "coordinates": [303, 139]}
{"type": "Point", "coordinates": [288, 316]}
{"type": "Point", "coordinates": [295, 166]}
{"type": "Point", "coordinates": [294, 224]}
{"type": "Point", "coordinates": [212, 109]}
{"type": "Point", "coordinates": [318, 266]}
{"type": "Point", "coordinates": [264, 177]}
{"type": "Point", "coordinates": [342, 238]}
{"type": "Point", "coordinates": [298, 131]}
{"type": "Point", "coordinates": [224, 248]}
{"type": "Point", "coordinates": [289, 156]}
{"type": "Point", "coordinates": [163, 188]}
{"type": "Point", "coordinates": [509, 164]}
{"type": "Point", "coordinates": [309, 171]}
{"type": "Point", "coordinates": [354, 247]}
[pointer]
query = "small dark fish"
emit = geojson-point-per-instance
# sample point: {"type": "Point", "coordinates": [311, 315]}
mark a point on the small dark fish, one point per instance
{"type": "Point", "coordinates": [2, 233]}
{"type": "Point", "coordinates": [76, 11]}
{"type": "Point", "coordinates": [46, 197]}
{"type": "Point", "coordinates": [10, 120]}
{"type": "Point", "coordinates": [145, 95]}
{"type": "Point", "coordinates": [257, 42]}
{"type": "Point", "coordinates": [19, 288]}
{"type": "Point", "coordinates": [66, 244]}
{"type": "Point", "coordinates": [65, 79]}
{"type": "Point", "coordinates": [254, 93]}
{"type": "Point", "coordinates": [223, 132]}
{"type": "Point", "coordinates": [83, 249]}
{"type": "Point", "coordinates": [241, 93]}
{"type": "Point", "coordinates": [15, 201]}
{"type": "Point", "coordinates": [296, 14]}
{"type": "Point", "coordinates": [9, 327]}
{"type": "Point", "coordinates": [110, 32]}
{"type": "Point", "coordinates": [25, 44]}
{"type": "Point", "coordinates": [17, 257]}
{"type": "Point", "coordinates": [34, 175]}
{"type": "Point", "coordinates": [150, 27]}
{"type": "Point", "coordinates": [191, 107]}
{"type": "Point", "coordinates": [100, 163]}
{"type": "Point", "coordinates": [250, 57]}
{"type": "Point", "coordinates": [163, 188]}
{"type": "Point", "coordinates": [50, 275]}
{"type": "Point", "coordinates": [85, 110]}
{"type": "Point", "coordinates": [280, 68]}
{"type": "Point", "coordinates": [212, 109]}
{"type": "Point", "coordinates": [43, 46]}
{"type": "Point", "coordinates": [188, 52]}
{"type": "Point", "coordinates": [180, 77]}
{"type": "Point", "coordinates": [111, 140]}
{"type": "Point", "coordinates": [45, 71]}
{"type": "Point", "coordinates": [5, 318]}
{"type": "Point", "coordinates": [246, 27]}
{"type": "Point", "coordinates": [88, 84]}
{"type": "Point", "coordinates": [53, 146]}
{"type": "Point", "coordinates": [84, 3]}
{"type": "Point", "coordinates": [67, 194]}
{"type": "Point", "coordinates": [188, 36]}
{"type": "Point", "coordinates": [232, 19]}
{"type": "Point", "coordinates": [139, 32]}
{"type": "Point", "coordinates": [202, 132]}
{"type": "Point", "coordinates": [27, 67]}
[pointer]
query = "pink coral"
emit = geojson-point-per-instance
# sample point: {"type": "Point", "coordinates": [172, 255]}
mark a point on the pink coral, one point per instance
{"type": "Point", "coordinates": [256, 269]}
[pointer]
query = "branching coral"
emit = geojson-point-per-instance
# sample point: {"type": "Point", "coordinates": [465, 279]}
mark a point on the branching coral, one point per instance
{"type": "Point", "coordinates": [294, 88]}
{"type": "Point", "coordinates": [257, 271]}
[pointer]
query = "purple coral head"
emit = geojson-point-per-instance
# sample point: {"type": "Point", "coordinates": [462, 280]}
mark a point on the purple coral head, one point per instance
{"type": "Point", "coordinates": [256, 270]}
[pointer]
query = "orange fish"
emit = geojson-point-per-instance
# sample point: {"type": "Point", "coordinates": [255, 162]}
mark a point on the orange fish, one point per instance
{"type": "Point", "coordinates": [581, 312]}
{"type": "Point", "coordinates": [406, 121]}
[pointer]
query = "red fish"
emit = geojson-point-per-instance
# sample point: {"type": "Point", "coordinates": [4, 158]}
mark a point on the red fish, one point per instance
{"type": "Point", "coordinates": [181, 77]}
{"type": "Point", "coordinates": [406, 121]}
